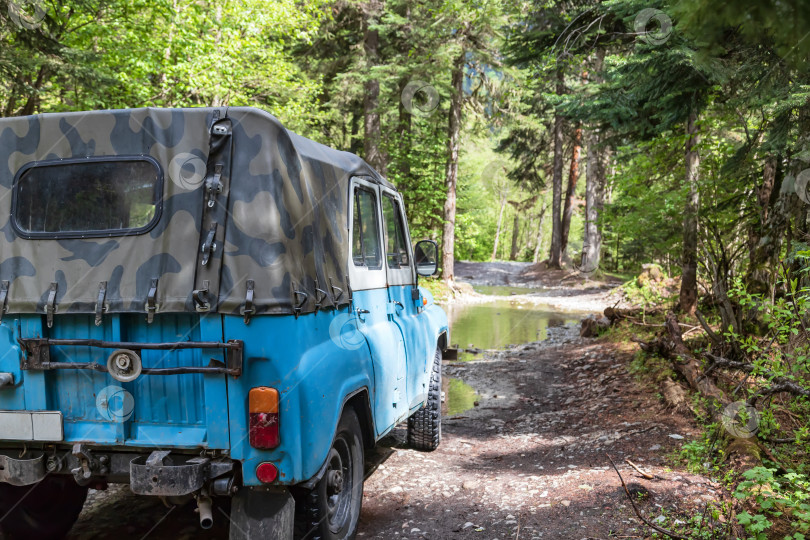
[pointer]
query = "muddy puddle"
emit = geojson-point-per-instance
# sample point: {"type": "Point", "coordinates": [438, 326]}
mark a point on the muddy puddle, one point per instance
{"type": "Point", "coordinates": [458, 396]}
{"type": "Point", "coordinates": [505, 290]}
{"type": "Point", "coordinates": [501, 323]}
{"type": "Point", "coordinates": [493, 325]}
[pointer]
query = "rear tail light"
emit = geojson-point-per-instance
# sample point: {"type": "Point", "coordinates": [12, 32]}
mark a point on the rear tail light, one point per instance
{"type": "Point", "coordinates": [263, 406]}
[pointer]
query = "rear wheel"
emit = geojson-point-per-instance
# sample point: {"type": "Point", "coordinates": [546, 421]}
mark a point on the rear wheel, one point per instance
{"type": "Point", "coordinates": [45, 511]}
{"type": "Point", "coordinates": [425, 425]}
{"type": "Point", "coordinates": [331, 510]}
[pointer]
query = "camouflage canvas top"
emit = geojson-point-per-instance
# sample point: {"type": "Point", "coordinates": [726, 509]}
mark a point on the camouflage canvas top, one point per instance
{"type": "Point", "coordinates": [246, 216]}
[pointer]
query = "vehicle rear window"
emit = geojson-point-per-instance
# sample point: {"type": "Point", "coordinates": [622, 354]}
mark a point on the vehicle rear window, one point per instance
{"type": "Point", "coordinates": [90, 198]}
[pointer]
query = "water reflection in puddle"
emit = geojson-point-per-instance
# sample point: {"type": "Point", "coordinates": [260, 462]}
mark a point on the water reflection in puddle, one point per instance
{"type": "Point", "coordinates": [494, 325]}
{"type": "Point", "coordinates": [458, 396]}
{"type": "Point", "coordinates": [505, 290]}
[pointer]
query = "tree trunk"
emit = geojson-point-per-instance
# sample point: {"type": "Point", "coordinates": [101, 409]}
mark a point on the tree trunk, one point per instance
{"type": "Point", "coordinates": [405, 119]}
{"type": "Point", "coordinates": [594, 185]}
{"type": "Point", "coordinates": [555, 254]}
{"type": "Point", "coordinates": [498, 229]}
{"type": "Point", "coordinates": [33, 98]}
{"type": "Point", "coordinates": [451, 177]}
{"type": "Point", "coordinates": [356, 143]}
{"type": "Point", "coordinates": [539, 234]}
{"type": "Point", "coordinates": [404, 134]}
{"type": "Point", "coordinates": [757, 277]}
{"type": "Point", "coordinates": [167, 55]}
{"type": "Point", "coordinates": [573, 178]}
{"type": "Point", "coordinates": [592, 236]}
{"type": "Point", "coordinates": [689, 294]}
{"type": "Point", "coordinates": [371, 43]}
{"type": "Point", "coordinates": [515, 232]}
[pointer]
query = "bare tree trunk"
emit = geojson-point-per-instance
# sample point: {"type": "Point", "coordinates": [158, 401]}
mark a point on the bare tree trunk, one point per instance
{"type": "Point", "coordinates": [539, 234]}
{"type": "Point", "coordinates": [555, 254]}
{"type": "Point", "coordinates": [167, 54]}
{"type": "Point", "coordinates": [405, 119]}
{"type": "Point", "coordinates": [498, 229]}
{"type": "Point", "coordinates": [451, 178]}
{"type": "Point", "coordinates": [515, 233]}
{"type": "Point", "coordinates": [33, 98]}
{"type": "Point", "coordinates": [594, 191]}
{"type": "Point", "coordinates": [594, 186]}
{"type": "Point", "coordinates": [573, 178]}
{"type": "Point", "coordinates": [592, 240]}
{"type": "Point", "coordinates": [355, 144]}
{"type": "Point", "coordinates": [757, 277]}
{"type": "Point", "coordinates": [404, 134]}
{"type": "Point", "coordinates": [371, 43]}
{"type": "Point", "coordinates": [689, 293]}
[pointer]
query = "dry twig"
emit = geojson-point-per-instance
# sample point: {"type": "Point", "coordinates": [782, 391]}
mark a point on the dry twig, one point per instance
{"type": "Point", "coordinates": [635, 508]}
{"type": "Point", "coordinates": [648, 476]}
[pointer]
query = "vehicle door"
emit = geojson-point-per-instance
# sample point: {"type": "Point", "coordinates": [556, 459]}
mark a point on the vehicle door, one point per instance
{"type": "Point", "coordinates": [371, 306]}
{"type": "Point", "coordinates": [404, 302]}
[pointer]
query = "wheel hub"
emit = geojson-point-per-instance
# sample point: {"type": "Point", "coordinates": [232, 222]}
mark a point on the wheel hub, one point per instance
{"type": "Point", "coordinates": [334, 482]}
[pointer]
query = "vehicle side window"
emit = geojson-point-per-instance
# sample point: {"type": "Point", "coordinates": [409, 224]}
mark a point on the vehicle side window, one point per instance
{"type": "Point", "coordinates": [366, 231]}
{"type": "Point", "coordinates": [396, 247]}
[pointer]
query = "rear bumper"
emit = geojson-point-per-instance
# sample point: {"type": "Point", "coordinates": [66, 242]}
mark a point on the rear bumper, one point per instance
{"type": "Point", "coordinates": [148, 473]}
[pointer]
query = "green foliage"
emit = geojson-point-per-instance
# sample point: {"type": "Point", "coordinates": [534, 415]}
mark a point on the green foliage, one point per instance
{"type": "Point", "coordinates": [650, 367]}
{"type": "Point", "coordinates": [784, 351]}
{"type": "Point", "coordinates": [697, 455]}
{"type": "Point", "coordinates": [773, 496]}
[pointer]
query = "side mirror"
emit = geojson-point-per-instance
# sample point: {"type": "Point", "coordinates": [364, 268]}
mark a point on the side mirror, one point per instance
{"type": "Point", "coordinates": [425, 256]}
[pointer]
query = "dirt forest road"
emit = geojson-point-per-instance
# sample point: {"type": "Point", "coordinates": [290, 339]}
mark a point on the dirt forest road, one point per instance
{"type": "Point", "coordinates": [529, 461]}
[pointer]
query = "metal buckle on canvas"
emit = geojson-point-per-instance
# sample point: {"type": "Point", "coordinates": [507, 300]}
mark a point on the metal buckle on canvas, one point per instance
{"type": "Point", "coordinates": [213, 185]}
{"type": "Point", "coordinates": [298, 305]}
{"type": "Point", "coordinates": [50, 305]}
{"type": "Point", "coordinates": [200, 297]}
{"type": "Point", "coordinates": [249, 309]}
{"type": "Point", "coordinates": [320, 296]}
{"type": "Point", "coordinates": [151, 301]}
{"type": "Point", "coordinates": [337, 295]}
{"type": "Point", "coordinates": [3, 298]}
{"type": "Point", "coordinates": [209, 246]}
{"type": "Point", "coordinates": [102, 295]}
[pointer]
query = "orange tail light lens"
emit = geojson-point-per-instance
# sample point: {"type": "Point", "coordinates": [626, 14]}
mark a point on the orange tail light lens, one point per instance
{"type": "Point", "coordinates": [263, 428]}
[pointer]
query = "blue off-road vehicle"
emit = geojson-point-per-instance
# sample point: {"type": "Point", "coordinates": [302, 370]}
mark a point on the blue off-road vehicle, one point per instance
{"type": "Point", "coordinates": [202, 304]}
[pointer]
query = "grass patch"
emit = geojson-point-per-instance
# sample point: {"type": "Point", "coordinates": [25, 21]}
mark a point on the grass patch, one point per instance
{"type": "Point", "coordinates": [438, 288]}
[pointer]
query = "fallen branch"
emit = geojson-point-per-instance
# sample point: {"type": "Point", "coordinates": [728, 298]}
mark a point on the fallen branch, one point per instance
{"type": "Point", "coordinates": [779, 383]}
{"type": "Point", "coordinates": [615, 314]}
{"type": "Point", "coordinates": [647, 476]}
{"type": "Point", "coordinates": [635, 508]}
{"type": "Point", "coordinates": [671, 346]}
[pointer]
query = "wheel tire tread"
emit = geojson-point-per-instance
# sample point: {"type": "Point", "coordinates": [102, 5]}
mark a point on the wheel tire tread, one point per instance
{"type": "Point", "coordinates": [425, 425]}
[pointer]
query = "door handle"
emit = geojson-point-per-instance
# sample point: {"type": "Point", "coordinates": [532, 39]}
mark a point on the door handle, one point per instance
{"type": "Point", "coordinates": [360, 312]}
{"type": "Point", "coordinates": [398, 304]}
